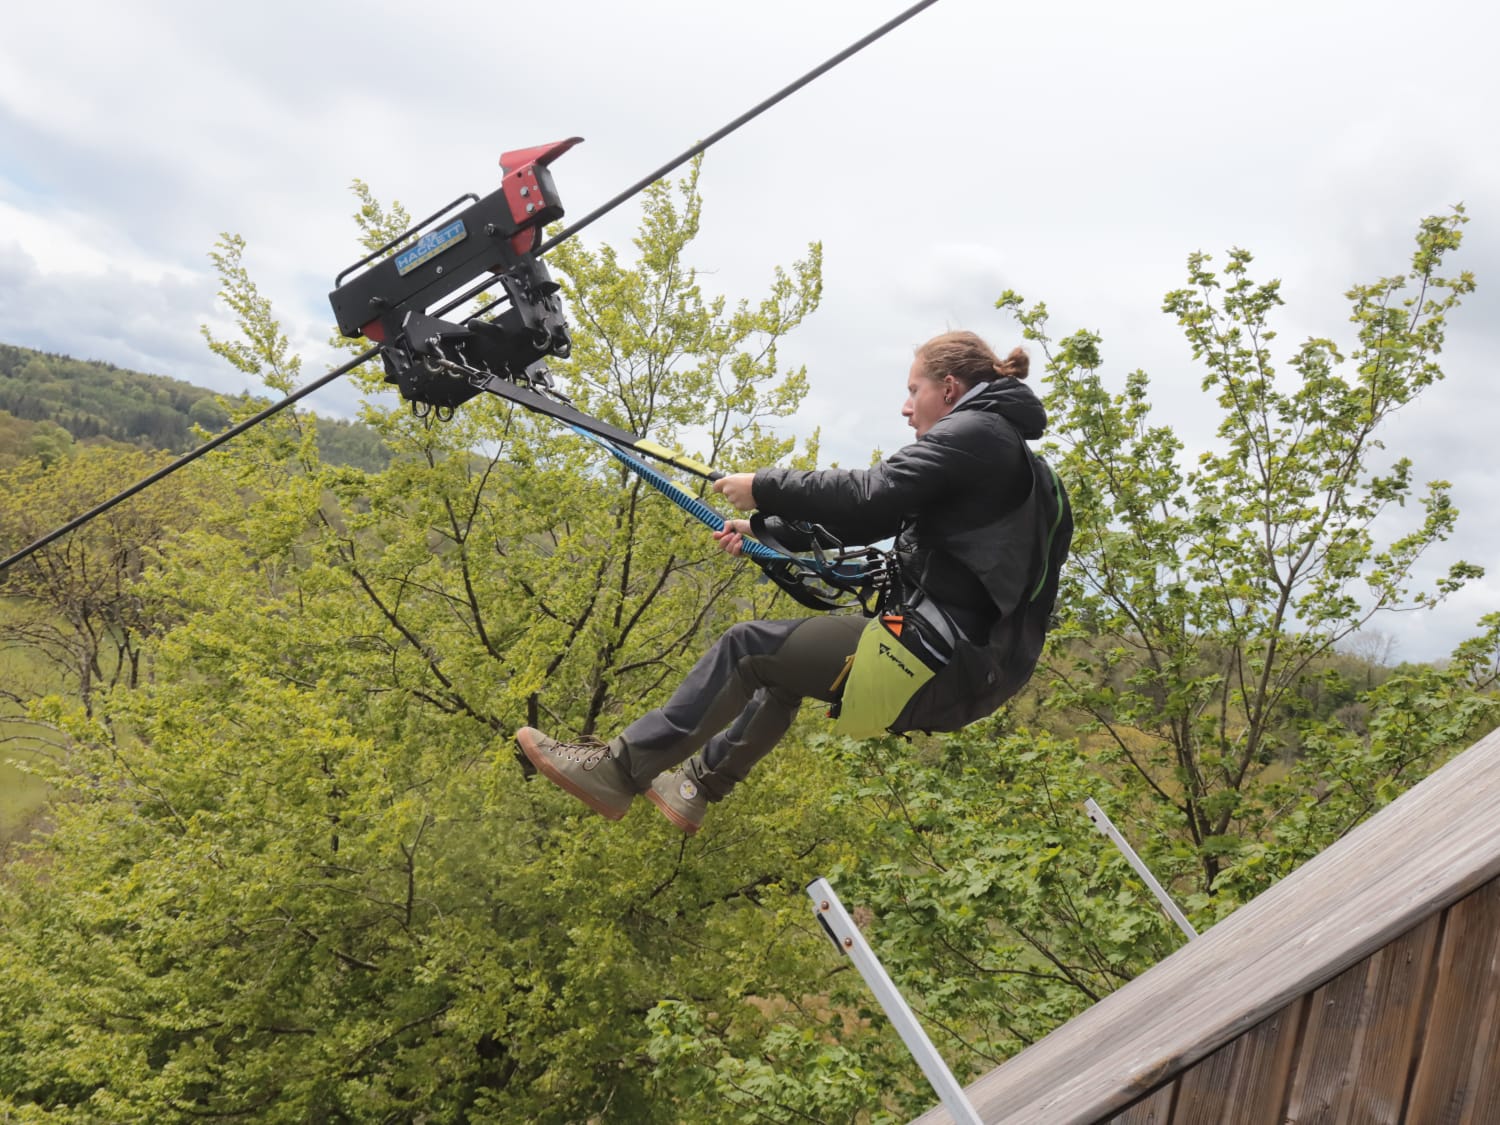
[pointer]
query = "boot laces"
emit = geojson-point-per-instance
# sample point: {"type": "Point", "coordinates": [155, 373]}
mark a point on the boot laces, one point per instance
{"type": "Point", "coordinates": [586, 750]}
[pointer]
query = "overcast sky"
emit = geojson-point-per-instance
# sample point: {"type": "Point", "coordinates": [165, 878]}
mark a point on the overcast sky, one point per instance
{"type": "Point", "coordinates": [1076, 152]}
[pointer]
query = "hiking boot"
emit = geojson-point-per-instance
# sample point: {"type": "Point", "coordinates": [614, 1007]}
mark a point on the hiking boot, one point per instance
{"type": "Point", "coordinates": [585, 769]}
{"type": "Point", "coordinates": [680, 799]}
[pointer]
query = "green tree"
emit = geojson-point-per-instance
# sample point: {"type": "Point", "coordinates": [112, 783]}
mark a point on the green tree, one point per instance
{"type": "Point", "coordinates": [49, 443]}
{"type": "Point", "coordinates": [1203, 602]}
{"type": "Point", "coordinates": [15, 439]}
{"type": "Point", "coordinates": [1202, 594]}
{"type": "Point", "coordinates": [299, 877]}
{"type": "Point", "coordinates": [209, 413]}
{"type": "Point", "coordinates": [76, 604]}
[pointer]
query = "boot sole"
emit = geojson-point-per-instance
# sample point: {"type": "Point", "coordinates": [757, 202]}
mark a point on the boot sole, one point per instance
{"type": "Point", "coordinates": [672, 814]}
{"type": "Point", "coordinates": [539, 758]}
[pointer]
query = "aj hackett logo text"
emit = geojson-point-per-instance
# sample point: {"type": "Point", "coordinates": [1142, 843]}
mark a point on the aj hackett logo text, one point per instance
{"type": "Point", "coordinates": [429, 246]}
{"type": "Point", "coordinates": [889, 653]}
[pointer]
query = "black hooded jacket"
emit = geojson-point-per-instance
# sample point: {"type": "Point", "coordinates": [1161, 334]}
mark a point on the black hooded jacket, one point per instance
{"type": "Point", "coordinates": [980, 526]}
{"type": "Point", "coordinates": [945, 498]}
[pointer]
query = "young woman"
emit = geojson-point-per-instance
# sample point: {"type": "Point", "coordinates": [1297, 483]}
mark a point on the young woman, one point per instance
{"type": "Point", "coordinates": [977, 573]}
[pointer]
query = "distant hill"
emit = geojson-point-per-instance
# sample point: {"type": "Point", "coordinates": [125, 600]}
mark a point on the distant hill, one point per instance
{"type": "Point", "coordinates": [49, 401]}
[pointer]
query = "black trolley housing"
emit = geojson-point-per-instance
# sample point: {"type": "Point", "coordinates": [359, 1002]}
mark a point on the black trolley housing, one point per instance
{"type": "Point", "coordinates": [439, 364]}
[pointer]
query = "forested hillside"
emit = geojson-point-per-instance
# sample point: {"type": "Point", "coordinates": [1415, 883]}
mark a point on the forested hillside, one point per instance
{"type": "Point", "coordinates": [293, 873]}
{"type": "Point", "coordinates": [49, 403]}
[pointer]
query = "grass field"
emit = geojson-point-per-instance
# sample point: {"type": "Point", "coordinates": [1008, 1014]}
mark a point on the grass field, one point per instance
{"type": "Point", "coordinates": [22, 793]}
{"type": "Point", "coordinates": [22, 796]}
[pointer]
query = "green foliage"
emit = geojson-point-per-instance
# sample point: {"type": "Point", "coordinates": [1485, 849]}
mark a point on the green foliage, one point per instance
{"type": "Point", "coordinates": [995, 900]}
{"type": "Point", "coordinates": [264, 351]}
{"type": "Point", "coordinates": [294, 874]}
{"type": "Point", "coordinates": [1201, 598]}
{"type": "Point", "coordinates": [92, 400]}
{"type": "Point", "coordinates": [1417, 718]}
{"type": "Point", "coordinates": [23, 745]}
{"type": "Point", "coordinates": [51, 404]}
{"type": "Point", "coordinates": [787, 1069]}
{"type": "Point", "coordinates": [76, 604]}
{"type": "Point", "coordinates": [75, 618]}
{"type": "Point", "coordinates": [15, 438]}
{"type": "Point", "coordinates": [297, 875]}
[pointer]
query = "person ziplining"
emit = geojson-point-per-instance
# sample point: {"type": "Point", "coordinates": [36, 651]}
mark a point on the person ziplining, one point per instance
{"type": "Point", "coordinates": [952, 618]}
{"type": "Point", "coordinates": [981, 526]}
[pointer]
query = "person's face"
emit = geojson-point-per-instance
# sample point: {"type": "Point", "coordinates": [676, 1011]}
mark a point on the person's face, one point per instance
{"type": "Point", "coordinates": [925, 398]}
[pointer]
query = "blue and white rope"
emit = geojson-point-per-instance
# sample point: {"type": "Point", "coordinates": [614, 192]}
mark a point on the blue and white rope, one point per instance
{"type": "Point", "coordinates": [753, 549]}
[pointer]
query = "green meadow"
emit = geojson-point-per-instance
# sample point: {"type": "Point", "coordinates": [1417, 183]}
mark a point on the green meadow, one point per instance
{"type": "Point", "coordinates": [23, 786]}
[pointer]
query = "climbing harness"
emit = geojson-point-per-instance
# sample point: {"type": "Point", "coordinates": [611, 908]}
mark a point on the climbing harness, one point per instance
{"type": "Point", "coordinates": [911, 637]}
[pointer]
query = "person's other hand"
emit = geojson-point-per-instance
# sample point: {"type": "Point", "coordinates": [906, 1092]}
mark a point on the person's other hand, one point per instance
{"type": "Point", "coordinates": [732, 538]}
{"type": "Point", "coordinates": [738, 489]}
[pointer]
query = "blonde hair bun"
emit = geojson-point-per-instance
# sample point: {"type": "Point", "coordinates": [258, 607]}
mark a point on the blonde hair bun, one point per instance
{"type": "Point", "coordinates": [970, 360]}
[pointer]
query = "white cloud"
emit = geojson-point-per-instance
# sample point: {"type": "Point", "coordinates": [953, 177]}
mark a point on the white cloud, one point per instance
{"type": "Point", "coordinates": [107, 314]}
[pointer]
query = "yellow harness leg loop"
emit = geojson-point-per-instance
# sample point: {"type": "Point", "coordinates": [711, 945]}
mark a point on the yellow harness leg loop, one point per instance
{"type": "Point", "coordinates": [882, 678]}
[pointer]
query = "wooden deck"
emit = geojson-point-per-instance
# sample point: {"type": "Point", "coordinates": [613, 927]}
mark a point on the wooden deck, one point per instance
{"type": "Point", "coordinates": [1348, 991]}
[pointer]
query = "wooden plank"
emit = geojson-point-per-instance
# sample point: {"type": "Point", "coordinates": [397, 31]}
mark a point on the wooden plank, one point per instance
{"type": "Point", "coordinates": [1432, 847]}
{"type": "Point", "coordinates": [1458, 1066]}
{"type": "Point", "coordinates": [1153, 1109]}
{"type": "Point", "coordinates": [1397, 988]}
{"type": "Point", "coordinates": [1361, 1035]}
{"type": "Point", "coordinates": [1244, 1082]}
{"type": "Point", "coordinates": [1484, 1075]}
{"type": "Point", "coordinates": [1332, 1032]}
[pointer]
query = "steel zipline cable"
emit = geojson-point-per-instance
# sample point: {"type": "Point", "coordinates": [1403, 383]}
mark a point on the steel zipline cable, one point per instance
{"type": "Point", "coordinates": [568, 232]}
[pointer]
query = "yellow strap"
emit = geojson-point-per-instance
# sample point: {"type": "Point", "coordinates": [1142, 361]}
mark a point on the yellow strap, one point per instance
{"type": "Point", "coordinates": [843, 673]}
{"type": "Point", "coordinates": [672, 457]}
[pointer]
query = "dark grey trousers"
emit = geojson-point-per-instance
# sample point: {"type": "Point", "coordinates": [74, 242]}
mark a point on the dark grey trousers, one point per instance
{"type": "Point", "coordinates": [738, 701]}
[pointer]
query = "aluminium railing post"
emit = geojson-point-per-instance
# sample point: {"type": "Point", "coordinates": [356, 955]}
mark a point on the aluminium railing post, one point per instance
{"type": "Point", "coordinates": [1105, 825]}
{"type": "Point", "coordinates": [846, 936]}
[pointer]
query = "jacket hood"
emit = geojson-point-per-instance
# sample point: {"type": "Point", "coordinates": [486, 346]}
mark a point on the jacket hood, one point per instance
{"type": "Point", "coordinates": [1015, 402]}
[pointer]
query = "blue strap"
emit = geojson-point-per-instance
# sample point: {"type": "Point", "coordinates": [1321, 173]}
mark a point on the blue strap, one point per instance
{"type": "Point", "coordinates": [838, 575]}
{"type": "Point", "coordinates": [684, 500]}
